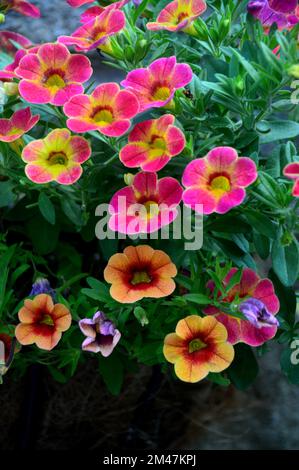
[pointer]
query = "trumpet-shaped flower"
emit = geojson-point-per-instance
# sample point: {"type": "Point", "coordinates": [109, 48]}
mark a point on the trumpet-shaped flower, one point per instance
{"type": "Point", "coordinates": [92, 12]}
{"type": "Point", "coordinates": [198, 346]}
{"type": "Point", "coordinates": [178, 15]}
{"type": "Point", "coordinates": [21, 6]}
{"type": "Point", "coordinates": [78, 3]}
{"type": "Point", "coordinates": [9, 71]}
{"type": "Point", "coordinates": [155, 85]}
{"type": "Point", "coordinates": [42, 322]}
{"type": "Point", "coordinates": [260, 324]}
{"type": "Point", "coordinates": [217, 181]}
{"type": "Point", "coordinates": [285, 13]}
{"type": "Point", "coordinates": [57, 157]}
{"type": "Point", "coordinates": [292, 171]}
{"type": "Point", "coordinates": [107, 110]}
{"type": "Point", "coordinates": [96, 31]}
{"type": "Point", "coordinates": [8, 38]}
{"type": "Point", "coordinates": [145, 206]}
{"type": "Point", "coordinates": [52, 75]}
{"type": "Point", "coordinates": [152, 144]}
{"type": "Point", "coordinates": [102, 336]}
{"type": "Point", "coordinates": [140, 272]}
{"type": "Point", "coordinates": [20, 122]}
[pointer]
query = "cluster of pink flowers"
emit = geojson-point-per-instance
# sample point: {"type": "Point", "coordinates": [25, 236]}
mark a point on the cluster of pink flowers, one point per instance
{"type": "Point", "coordinates": [213, 183]}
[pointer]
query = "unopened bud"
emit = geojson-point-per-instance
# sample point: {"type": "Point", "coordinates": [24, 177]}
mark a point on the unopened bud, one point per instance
{"type": "Point", "coordinates": [128, 179]}
{"type": "Point", "coordinates": [11, 88]}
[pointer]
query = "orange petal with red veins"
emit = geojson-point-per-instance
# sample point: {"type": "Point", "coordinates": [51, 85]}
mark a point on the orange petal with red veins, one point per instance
{"type": "Point", "coordinates": [213, 330]}
{"type": "Point", "coordinates": [161, 264]}
{"type": "Point", "coordinates": [117, 268]}
{"type": "Point", "coordinates": [221, 359]}
{"type": "Point", "coordinates": [49, 341]}
{"type": "Point", "coordinates": [43, 302]}
{"type": "Point", "coordinates": [141, 254]}
{"type": "Point", "coordinates": [189, 371]}
{"type": "Point", "coordinates": [190, 327]}
{"type": "Point", "coordinates": [25, 334]}
{"type": "Point", "coordinates": [174, 347]}
{"type": "Point", "coordinates": [62, 317]}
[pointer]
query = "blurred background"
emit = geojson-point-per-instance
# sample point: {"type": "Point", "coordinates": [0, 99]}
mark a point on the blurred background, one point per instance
{"type": "Point", "coordinates": [153, 411]}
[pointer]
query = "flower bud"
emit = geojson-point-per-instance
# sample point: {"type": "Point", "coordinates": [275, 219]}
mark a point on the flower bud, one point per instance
{"type": "Point", "coordinates": [11, 88]}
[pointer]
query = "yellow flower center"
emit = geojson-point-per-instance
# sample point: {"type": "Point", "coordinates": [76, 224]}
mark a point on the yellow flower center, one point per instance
{"type": "Point", "coordinates": [55, 81]}
{"type": "Point", "coordinates": [159, 143]}
{"type": "Point", "coordinates": [220, 184]}
{"type": "Point", "coordinates": [180, 17]}
{"type": "Point", "coordinates": [103, 117]}
{"type": "Point", "coordinates": [152, 209]}
{"type": "Point", "coordinates": [57, 158]}
{"type": "Point", "coordinates": [140, 277]}
{"type": "Point", "coordinates": [196, 345]}
{"type": "Point", "coordinates": [47, 320]}
{"type": "Point", "coordinates": [161, 93]}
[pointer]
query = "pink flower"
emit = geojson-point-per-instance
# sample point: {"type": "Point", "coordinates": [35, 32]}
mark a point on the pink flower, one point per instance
{"type": "Point", "coordinates": [152, 144]}
{"type": "Point", "coordinates": [292, 171]}
{"type": "Point", "coordinates": [107, 110]}
{"type": "Point", "coordinates": [155, 85]}
{"type": "Point", "coordinates": [178, 15]}
{"type": "Point", "coordinates": [9, 72]}
{"type": "Point", "coordinates": [94, 33]}
{"type": "Point", "coordinates": [20, 122]}
{"type": "Point", "coordinates": [52, 75]}
{"type": "Point", "coordinates": [78, 3]}
{"type": "Point", "coordinates": [57, 157]}
{"type": "Point", "coordinates": [217, 181]}
{"type": "Point", "coordinates": [250, 287]}
{"type": "Point", "coordinates": [92, 12]}
{"type": "Point", "coordinates": [145, 206]}
{"type": "Point", "coordinates": [23, 7]}
{"type": "Point", "coordinates": [6, 44]}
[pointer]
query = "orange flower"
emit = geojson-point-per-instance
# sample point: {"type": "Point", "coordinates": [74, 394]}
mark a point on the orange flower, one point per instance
{"type": "Point", "coordinates": [198, 346]}
{"type": "Point", "coordinates": [140, 272]}
{"type": "Point", "coordinates": [42, 322]}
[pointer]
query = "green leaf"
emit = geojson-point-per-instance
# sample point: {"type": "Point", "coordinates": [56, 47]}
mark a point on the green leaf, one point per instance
{"type": "Point", "coordinates": [218, 379]}
{"type": "Point", "coordinates": [287, 299]}
{"type": "Point", "coordinates": [289, 362]}
{"type": "Point", "coordinates": [199, 299]}
{"type": "Point", "coordinates": [262, 244]}
{"type": "Point", "coordinates": [72, 211]}
{"type": "Point", "coordinates": [261, 223]}
{"type": "Point", "coordinates": [46, 208]}
{"type": "Point", "coordinates": [285, 261]}
{"type": "Point", "coordinates": [244, 368]}
{"type": "Point", "coordinates": [43, 235]}
{"type": "Point", "coordinates": [280, 130]}
{"type": "Point", "coordinates": [112, 371]}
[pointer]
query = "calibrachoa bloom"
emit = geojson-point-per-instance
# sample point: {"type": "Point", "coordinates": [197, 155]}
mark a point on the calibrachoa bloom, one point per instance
{"type": "Point", "coordinates": [152, 144]}
{"type": "Point", "coordinates": [96, 31]}
{"type": "Point", "coordinates": [198, 346]}
{"type": "Point", "coordinates": [140, 272]}
{"type": "Point", "coordinates": [107, 110]}
{"type": "Point", "coordinates": [155, 85]}
{"type": "Point", "coordinates": [217, 181]}
{"type": "Point", "coordinates": [282, 12]}
{"type": "Point", "coordinates": [57, 157]}
{"type": "Point", "coordinates": [6, 44]}
{"type": "Point", "coordinates": [42, 286]}
{"type": "Point", "coordinates": [52, 75]}
{"type": "Point", "coordinates": [178, 15]}
{"type": "Point", "coordinates": [20, 122]}
{"type": "Point", "coordinates": [21, 6]}
{"type": "Point", "coordinates": [145, 206]}
{"type": "Point", "coordinates": [9, 71]}
{"type": "Point", "coordinates": [42, 322]}
{"type": "Point", "coordinates": [250, 331]}
{"type": "Point", "coordinates": [256, 313]}
{"type": "Point", "coordinates": [92, 12]}
{"type": "Point", "coordinates": [102, 336]}
{"type": "Point", "coordinates": [292, 171]}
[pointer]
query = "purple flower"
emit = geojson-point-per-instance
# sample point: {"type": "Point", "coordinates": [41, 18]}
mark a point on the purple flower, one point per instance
{"type": "Point", "coordinates": [102, 336]}
{"type": "Point", "coordinates": [42, 286]}
{"type": "Point", "coordinates": [257, 314]}
{"type": "Point", "coordinates": [281, 12]}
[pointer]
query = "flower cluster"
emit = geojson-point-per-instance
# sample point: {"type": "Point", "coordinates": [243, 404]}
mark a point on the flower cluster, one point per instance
{"type": "Point", "coordinates": [151, 123]}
